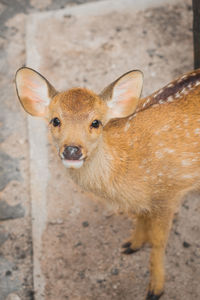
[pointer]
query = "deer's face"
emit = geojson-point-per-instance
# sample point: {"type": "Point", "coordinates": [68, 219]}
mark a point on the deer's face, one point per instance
{"type": "Point", "coordinates": [77, 117]}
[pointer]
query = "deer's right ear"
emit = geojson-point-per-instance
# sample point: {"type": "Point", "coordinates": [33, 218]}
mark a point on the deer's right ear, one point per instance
{"type": "Point", "coordinates": [34, 92]}
{"type": "Point", "coordinates": [122, 95]}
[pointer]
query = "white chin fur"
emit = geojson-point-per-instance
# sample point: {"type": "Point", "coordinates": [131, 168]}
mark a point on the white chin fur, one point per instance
{"type": "Point", "coordinates": [74, 164]}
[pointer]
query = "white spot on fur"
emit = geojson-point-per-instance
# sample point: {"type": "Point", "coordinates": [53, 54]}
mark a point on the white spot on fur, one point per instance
{"type": "Point", "coordinates": [155, 94]}
{"type": "Point", "coordinates": [148, 100]}
{"type": "Point", "coordinates": [160, 91]}
{"type": "Point", "coordinates": [165, 128]}
{"type": "Point", "coordinates": [195, 159]}
{"type": "Point", "coordinates": [157, 132]}
{"type": "Point", "coordinates": [177, 95]}
{"type": "Point", "coordinates": [187, 176]}
{"type": "Point", "coordinates": [159, 154]}
{"type": "Point", "coordinates": [186, 163]}
{"type": "Point", "coordinates": [144, 104]}
{"type": "Point", "coordinates": [168, 150]}
{"type": "Point", "coordinates": [131, 144]}
{"type": "Point", "coordinates": [197, 131]}
{"type": "Point", "coordinates": [161, 101]}
{"type": "Point", "coordinates": [187, 134]}
{"type": "Point", "coordinates": [144, 161]}
{"type": "Point", "coordinates": [170, 85]}
{"type": "Point", "coordinates": [132, 117]}
{"type": "Point", "coordinates": [184, 76]}
{"type": "Point", "coordinates": [184, 91]}
{"type": "Point", "coordinates": [126, 126]}
{"type": "Point", "coordinates": [170, 99]}
{"type": "Point", "coordinates": [155, 105]}
{"type": "Point", "coordinates": [197, 83]}
{"type": "Point", "coordinates": [145, 178]}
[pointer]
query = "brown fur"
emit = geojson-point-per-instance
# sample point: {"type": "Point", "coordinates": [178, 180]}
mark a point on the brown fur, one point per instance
{"type": "Point", "coordinates": [143, 163]}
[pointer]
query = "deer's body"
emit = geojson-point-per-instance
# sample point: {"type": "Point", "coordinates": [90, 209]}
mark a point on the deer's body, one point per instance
{"type": "Point", "coordinates": [142, 160]}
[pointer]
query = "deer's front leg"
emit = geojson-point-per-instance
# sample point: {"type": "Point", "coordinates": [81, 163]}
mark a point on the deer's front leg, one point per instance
{"type": "Point", "coordinates": [139, 236]}
{"type": "Point", "coordinates": [158, 231]}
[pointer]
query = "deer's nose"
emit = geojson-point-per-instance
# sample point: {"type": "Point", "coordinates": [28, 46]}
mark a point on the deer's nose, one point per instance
{"type": "Point", "coordinates": [72, 152]}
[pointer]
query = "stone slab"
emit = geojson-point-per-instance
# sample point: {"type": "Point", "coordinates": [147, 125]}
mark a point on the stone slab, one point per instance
{"type": "Point", "coordinates": [15, 218]}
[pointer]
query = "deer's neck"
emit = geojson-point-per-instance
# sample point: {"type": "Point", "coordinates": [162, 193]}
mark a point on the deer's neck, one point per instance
{"type": "Point", "coordinates": [94, 176]}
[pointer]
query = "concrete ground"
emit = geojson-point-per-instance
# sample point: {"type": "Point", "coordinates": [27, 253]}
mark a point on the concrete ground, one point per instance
{"type": "Point", "coordinates": [16, 268]}
{"type": "Point", "coordinates": [55, 241]}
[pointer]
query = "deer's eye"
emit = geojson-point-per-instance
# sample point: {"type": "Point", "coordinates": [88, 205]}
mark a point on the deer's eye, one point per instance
{"type": "Point", "coordinates": [95, 124]}
{"type": "Point", "coordinates": [55, 122]}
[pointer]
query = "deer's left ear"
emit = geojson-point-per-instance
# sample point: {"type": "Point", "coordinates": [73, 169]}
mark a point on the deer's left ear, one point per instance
{"type": "Point", "coordinates": [34, 91]}
{"type": "Point", "coordinates": [123, 94]}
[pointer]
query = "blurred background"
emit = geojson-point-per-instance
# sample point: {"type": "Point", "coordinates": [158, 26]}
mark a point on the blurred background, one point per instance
{"type": "Point", "coordinates": [57, 242]}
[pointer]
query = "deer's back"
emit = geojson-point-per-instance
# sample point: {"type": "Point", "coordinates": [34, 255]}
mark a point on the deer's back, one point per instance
{"type": "Point", "coordinates": [157, 151]}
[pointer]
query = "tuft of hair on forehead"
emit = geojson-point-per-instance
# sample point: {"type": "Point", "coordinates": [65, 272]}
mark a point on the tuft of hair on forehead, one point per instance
{"type": "Point", "coordinates": [77, 100]}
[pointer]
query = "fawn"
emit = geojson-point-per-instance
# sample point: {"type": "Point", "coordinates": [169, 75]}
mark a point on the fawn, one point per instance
{"type": "Point", "coordinates": [141, 155]}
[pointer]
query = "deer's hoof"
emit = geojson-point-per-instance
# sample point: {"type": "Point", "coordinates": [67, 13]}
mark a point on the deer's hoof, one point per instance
{"type": "Point", "coordinates": [129, 250]}
{"type": "Point", "coordinates": [126, 245]}
{"type": "Point", "coordinates": [152, 296]}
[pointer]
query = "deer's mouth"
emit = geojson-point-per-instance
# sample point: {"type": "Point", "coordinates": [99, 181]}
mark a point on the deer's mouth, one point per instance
{"type": "Point", "coordinates": [73, 164]}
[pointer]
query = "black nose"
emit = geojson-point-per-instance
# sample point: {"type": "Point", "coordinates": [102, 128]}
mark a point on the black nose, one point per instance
{"type": "Point", "coordinates": [72, 153]}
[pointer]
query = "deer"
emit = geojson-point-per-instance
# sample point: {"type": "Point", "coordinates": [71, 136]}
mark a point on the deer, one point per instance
{"type": "Point", "coordinates": [141, 155]}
